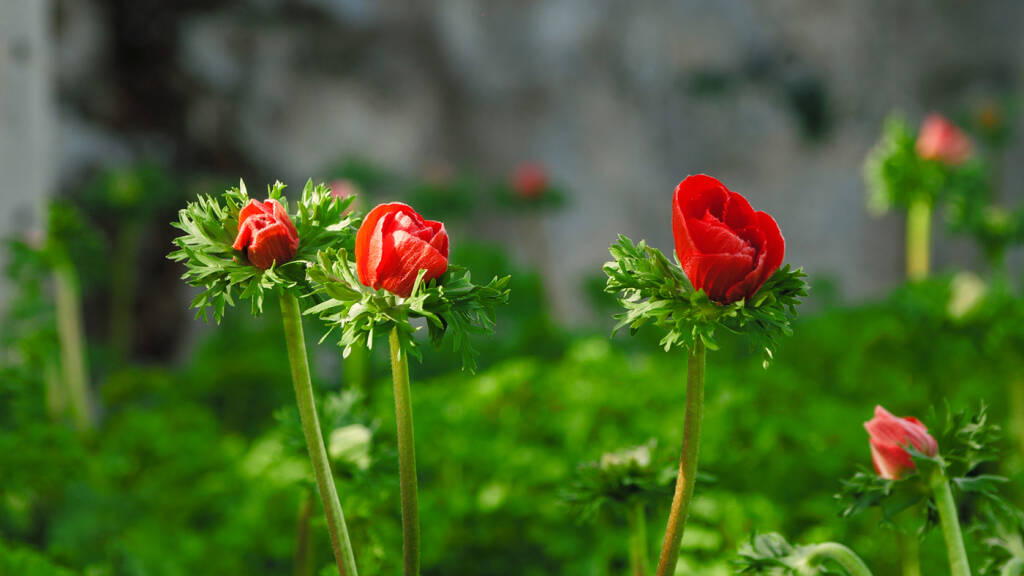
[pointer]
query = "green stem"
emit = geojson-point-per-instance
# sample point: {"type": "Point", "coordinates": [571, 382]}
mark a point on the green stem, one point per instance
{"type": "Point", "coordinates": [72, 344]}
{"type": "Point", "coordinates": [292, 318]}
{"type": "Point", "coordinates": [56, 397]}
{"type": "Point", "coordinates": [846, 558]}
{"type": "Point", "coordinates": [1014, 567]}
{"type": "Point", "coordinates": [638, 539]}
{"type": "Point", "coordinates": [687, 461]}
{"type": "Point", "coordinates": [950, 521]}
{"type": "Point", "coordinates": [406, 458]}
{"type": "Point", "coordinates": [919, 222]}
{"type": "Point", "coordinates": [303, 541]}
{"type": "Point", "coordinates": [910, 554]}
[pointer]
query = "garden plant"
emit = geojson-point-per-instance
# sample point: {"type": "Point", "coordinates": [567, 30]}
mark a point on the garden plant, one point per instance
{"type": "Point", "coordinates": [537, 448]}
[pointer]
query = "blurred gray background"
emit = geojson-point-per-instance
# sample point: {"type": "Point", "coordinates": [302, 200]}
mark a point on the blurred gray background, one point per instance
{"type": "Point", "coordinates": [781, 100]}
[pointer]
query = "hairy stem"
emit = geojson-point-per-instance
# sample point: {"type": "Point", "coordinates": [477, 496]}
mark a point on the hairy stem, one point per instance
{"type": "Point", "coordinates": [340, 542]}
{"type": "Point", "coordinates": [948, 517]}
{"type": "Point", "coordinates": [406, 458]}
{"type": "Point", "coordinates": [687, 461]}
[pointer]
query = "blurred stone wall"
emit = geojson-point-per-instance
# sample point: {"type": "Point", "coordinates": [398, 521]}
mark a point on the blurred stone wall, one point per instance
{"type": "Point", "coordinates": [781, 100]}
{"type": "Point", "coordinates": [26, 118]}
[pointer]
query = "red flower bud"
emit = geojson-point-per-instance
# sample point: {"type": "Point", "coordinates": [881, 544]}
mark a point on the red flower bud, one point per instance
{"type": "Point", "coordinates": [889, 437]}
{"type": "Point", "coordinates": [394, 243]}
{"type": "Point", "coordinates": [941, 140]}
{"type": "Point", "coordinates": [266, 234]}
{"type": "Point", "coordinates": [529, 181]}
{"type": "Point", "coordinates": [724, 246]}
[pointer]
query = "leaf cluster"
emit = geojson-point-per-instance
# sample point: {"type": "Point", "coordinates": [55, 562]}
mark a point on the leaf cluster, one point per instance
{"type": "Point", "coordinates": [654, 290]}
{"type": "Point", "coordinates": [209, 227]}
{"type": "Point", "coordinates": [452, 306]}
{"type": "Point", "coordinates": [972, 212]}
{"type": "Point", "coordinates": [616, 481]}
{"type": "Point", "coordinates": [772, 554]}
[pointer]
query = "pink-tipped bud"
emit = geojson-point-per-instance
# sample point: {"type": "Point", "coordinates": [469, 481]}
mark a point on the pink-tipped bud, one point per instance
{"type": "Point", "coordinates": [890, 436]}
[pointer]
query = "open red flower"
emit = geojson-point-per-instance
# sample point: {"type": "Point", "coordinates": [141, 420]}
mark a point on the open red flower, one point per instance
{"type": "Point", "coordinates": [941, 140]}
{"type": "Point", "coordinates": [724, 246]}
{"type": "Point", "coordinates": [889, 437]}
{"type": "Point", "coordinates": [394, 243]}
{"type": "Point", "coordinates": [266, 234]}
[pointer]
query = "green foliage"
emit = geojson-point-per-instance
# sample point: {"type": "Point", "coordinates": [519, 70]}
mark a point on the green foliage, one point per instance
{"type": "Point", "coordinates": [190, 473]}
{"type": "Point", "coordinates": [25, 562]}
{"type": "Point", "coordinates": [451, 305]}
{"type": "Point", "coordinates": [131, 193]}
{"type": "Point", "coordinates": [966, 441]}
{"type": "Point", "coordinates": [896, 176]}
{"type": "Point", "coordinates": [223, 273]}
{"type": "Point", "coordinates": [551, 199]}
{"type": "Point", "coordinates": [972, 212]}
{"type": "Point", "coordinates": [772, 554]}
{"type": "Point", "coordinates": [616, 481]}
{"type": "Point", "coordinates": [655, 290]}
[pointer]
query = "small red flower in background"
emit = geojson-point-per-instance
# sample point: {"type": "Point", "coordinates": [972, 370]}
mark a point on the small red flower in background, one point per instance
{"type": "Point", "coordinates": [889, 436]}
{"type": "Point", "coordinates": [394, 243]}
{"type": "Point", "coordinates": [529, 181]}
{"type": "Point", "coordinates": [941, 140]}
{"type": "Point", "coordinates": [266, 234]}
{"type": "Point", "coordinates": [342, 188]}
{"type": "Point", "coordinates": [724, 246]}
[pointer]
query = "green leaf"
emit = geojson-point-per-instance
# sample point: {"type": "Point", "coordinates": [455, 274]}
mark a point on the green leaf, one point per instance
{"type": "Point", "coordinates": [452, 305]}
{"type": "Point", "coordinates": [209, 225]}
{"type": "Point", "coordinates": [654, 290]}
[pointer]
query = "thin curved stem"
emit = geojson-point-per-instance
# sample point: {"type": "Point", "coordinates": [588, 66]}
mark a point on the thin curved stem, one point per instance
{"type": "Point", "coordinates": [846, 558]}
{"type": "Point", "coordinates": [406, 458]}
{"type": "Point", "coordinates": [950, 521]}
{"type": "Point", "coordinates": [687, 461]}
{"type": "Point", "coordinates": [292, 317]}
{"type": "Point", "coordinates": [919, 222]}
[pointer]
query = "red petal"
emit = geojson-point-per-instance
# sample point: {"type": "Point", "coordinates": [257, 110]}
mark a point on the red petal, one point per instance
{"type": "Point", "coordinates": [244, 236]}
{"type": "Point", "coordinates": [253, 208]}
{"type": "Point", "coordinates": [272, 244]}
{"type": "Point", "coordinates": [364, 262]}
{"type": "Point", "coordinates": [891, 462]}
{"type": "Point", "coordinates": [775, 244]}
{"type": "Point", "coordinates": [281, 216]}
{"type": "Point", "coordinates": [771, 249]}
{"type": "Point", "coordinates": [716, 273]}
{"type": "Point", "coordinates": [711, 236]}
{"type": "Point", "coordinates": [737, 213]}
{"type": "Point", "coordinates": [724, 246]}
{"type": "Point", "coordinates": [394, 244]}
